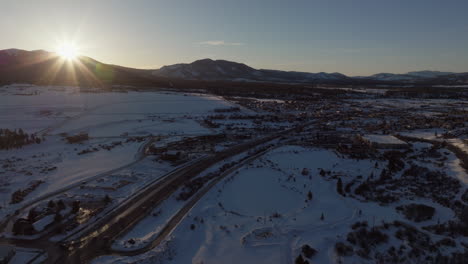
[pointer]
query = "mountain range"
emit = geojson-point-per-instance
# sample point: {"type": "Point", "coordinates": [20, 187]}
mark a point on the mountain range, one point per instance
{"type": "Point", "coordinates": [42, 67]}
{"type": "Point", "coordinates": [208, 69]}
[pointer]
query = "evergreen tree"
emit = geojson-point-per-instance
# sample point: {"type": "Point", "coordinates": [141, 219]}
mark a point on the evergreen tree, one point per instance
{"type": "Point", "coordinates": [60, 205]}
{"type": "Point", "coordinates": [51, 204]}
{"type": "Point", "coordinates": [76, 206]}
{"type": "Point", "coordinates": [339, 187]}
{"type": "Point", "coordinates": [107, 199]}
{"type": "Point", "coordinates": [58, 218]}
{"type": "Point", "coordinates": [32, 215]}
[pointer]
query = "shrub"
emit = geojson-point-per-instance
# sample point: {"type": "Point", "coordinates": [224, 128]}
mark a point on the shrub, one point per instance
{"type": "Point", "coordinates": [77, 138]}
{"type": "Point", "coordinates": [343, 250]}
{"type": "Point", "coordinates": [417, 212]}
{"type": "Point", "coordinates": [308, 251]}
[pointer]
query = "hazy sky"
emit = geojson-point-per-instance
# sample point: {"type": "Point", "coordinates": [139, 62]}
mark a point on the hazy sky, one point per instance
{"type": "Point", "coordinates": [355, 37]}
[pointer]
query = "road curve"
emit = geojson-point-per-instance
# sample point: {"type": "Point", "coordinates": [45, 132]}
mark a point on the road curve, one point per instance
{"type": "Point", "coordinates": [179, 216]}
{"type": "Point", "coordinates": [95, 240]}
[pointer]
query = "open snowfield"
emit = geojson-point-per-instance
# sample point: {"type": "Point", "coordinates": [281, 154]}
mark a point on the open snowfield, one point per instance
{"type": "Point", "coordinates": [66, 109]}
{"type": "Point", "coordinates": [107, 117]}
{"type": "Point", "coordinates": [261, 213]}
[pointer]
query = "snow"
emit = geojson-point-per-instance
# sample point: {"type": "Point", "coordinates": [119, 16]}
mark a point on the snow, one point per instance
{"type": "Point", "coordinates": [260, 213]}
{"type": "Point", "coordinates": [259, 194]}
{"type": "Point", "coordinates": [428, 74]}
{"type": "Point", "coordinates": [106, 117]}
{"type": "Point", "coordinates": [42, 223]}
{"type": "Point", "coordinates": [49, 107]}
{"type": "Point", "coordinates": [147, 229]}
{"type": "Point", "coordinates": [5, 251]}
{"type": "Point", "coordinates": [239, 223]}
{"type": "Point", "coordinates": [23, 256]}
{"type": "Point", "coordinates": [384, 139]}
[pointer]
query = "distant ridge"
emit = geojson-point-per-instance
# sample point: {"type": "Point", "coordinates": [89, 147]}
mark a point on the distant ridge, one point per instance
{"type": "Point", "coordinates": [208, 69]}
{"type": "Point", "coordinates": [42, 67]}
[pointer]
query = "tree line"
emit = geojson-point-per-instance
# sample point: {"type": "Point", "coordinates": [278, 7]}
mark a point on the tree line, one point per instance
{"type": "Point", "coordinates": [11, 139]}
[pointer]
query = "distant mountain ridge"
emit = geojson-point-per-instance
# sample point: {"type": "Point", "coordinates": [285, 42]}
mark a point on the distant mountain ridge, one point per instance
{"type": "Point", "coordinates": [414, 75]}
{"type": "Point", "coordinates": [47, 68]}
{"type": "Point", "coordinates": [208, 69]}
{"type": "Point", "coordinates": [40, 66]}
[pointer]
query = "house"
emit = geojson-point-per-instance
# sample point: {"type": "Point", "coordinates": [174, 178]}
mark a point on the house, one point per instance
{"type": "Point", "coordinates": [23, 227]}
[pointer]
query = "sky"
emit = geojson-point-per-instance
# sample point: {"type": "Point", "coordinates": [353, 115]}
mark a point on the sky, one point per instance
{"type": "Point", "coordinates": [354, 37]}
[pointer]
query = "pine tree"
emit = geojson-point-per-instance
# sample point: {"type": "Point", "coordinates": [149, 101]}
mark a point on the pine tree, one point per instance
{"type": "Point", "coordinates": [58, 218]}
{"type": "Point", "coordinates": [76, 206]}
{"type": "Point", "coordinates": [51, 204]}
{"type": "Point", "coordinates": [339, 187]}
{"type": "Point", "coordinates": [60, 205]}
{"type": "Point", "coordinates": [32, 215]}
{"type": "Point", "coordinates": [107, 199]}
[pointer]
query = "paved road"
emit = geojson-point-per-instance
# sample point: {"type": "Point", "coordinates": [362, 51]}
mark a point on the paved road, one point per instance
{"type": "Point", "coordinates": [180, 215]}
{"type": "Point", "coordinates": [97, 240]}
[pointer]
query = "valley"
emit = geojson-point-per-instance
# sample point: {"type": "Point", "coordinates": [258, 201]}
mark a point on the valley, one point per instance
{"type": "Point", "coordinates": [168, 176]}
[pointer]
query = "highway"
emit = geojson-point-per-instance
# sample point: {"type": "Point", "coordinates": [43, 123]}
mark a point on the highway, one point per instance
{"type": "Point", "coordinates": [95, 239]}
{"type": "Point", "coordinates": [97, 242]}
{"type": "Point", "coordinates": [179, 216]}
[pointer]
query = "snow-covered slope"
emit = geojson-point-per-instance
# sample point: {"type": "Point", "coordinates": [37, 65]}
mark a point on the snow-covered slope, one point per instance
{"type": "Point", "coordinates": [409, 76]}
{"type": "Point", "coordinates": [428, 74]}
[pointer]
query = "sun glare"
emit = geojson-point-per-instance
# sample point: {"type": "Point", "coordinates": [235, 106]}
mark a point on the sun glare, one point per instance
{"type": "Point", "coordinates": [67, 51]}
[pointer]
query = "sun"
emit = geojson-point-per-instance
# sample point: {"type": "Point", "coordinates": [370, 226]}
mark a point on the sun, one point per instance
{"type": "Point", "coordinates": [67, 51]}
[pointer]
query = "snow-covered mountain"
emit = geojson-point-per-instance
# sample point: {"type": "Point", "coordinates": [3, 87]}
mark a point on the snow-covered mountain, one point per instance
{"type": "Point", "coordinates": [428, 74]}
{"type": "Point", "coordinates": [208, 69]}
{"type": "Point", "coordinates": [410, 76]}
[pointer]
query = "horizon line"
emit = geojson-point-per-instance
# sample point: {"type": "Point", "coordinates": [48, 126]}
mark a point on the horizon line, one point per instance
{"type": "Point", "coordinates": [150, 68]}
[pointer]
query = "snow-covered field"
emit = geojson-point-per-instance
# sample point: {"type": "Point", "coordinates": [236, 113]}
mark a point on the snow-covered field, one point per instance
{"type": "Point", "coordinates": [107, 117]}
{"type": "Point", "coordinates": [309, 190]}
{"type": "Point", "coordinates": [66, 109]}
{"type": "Point", "coordinates": [262, 213]}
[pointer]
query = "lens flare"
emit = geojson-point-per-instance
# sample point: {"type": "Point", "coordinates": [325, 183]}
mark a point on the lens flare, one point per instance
{"type": "Point", "coordinates": [67, 51]}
